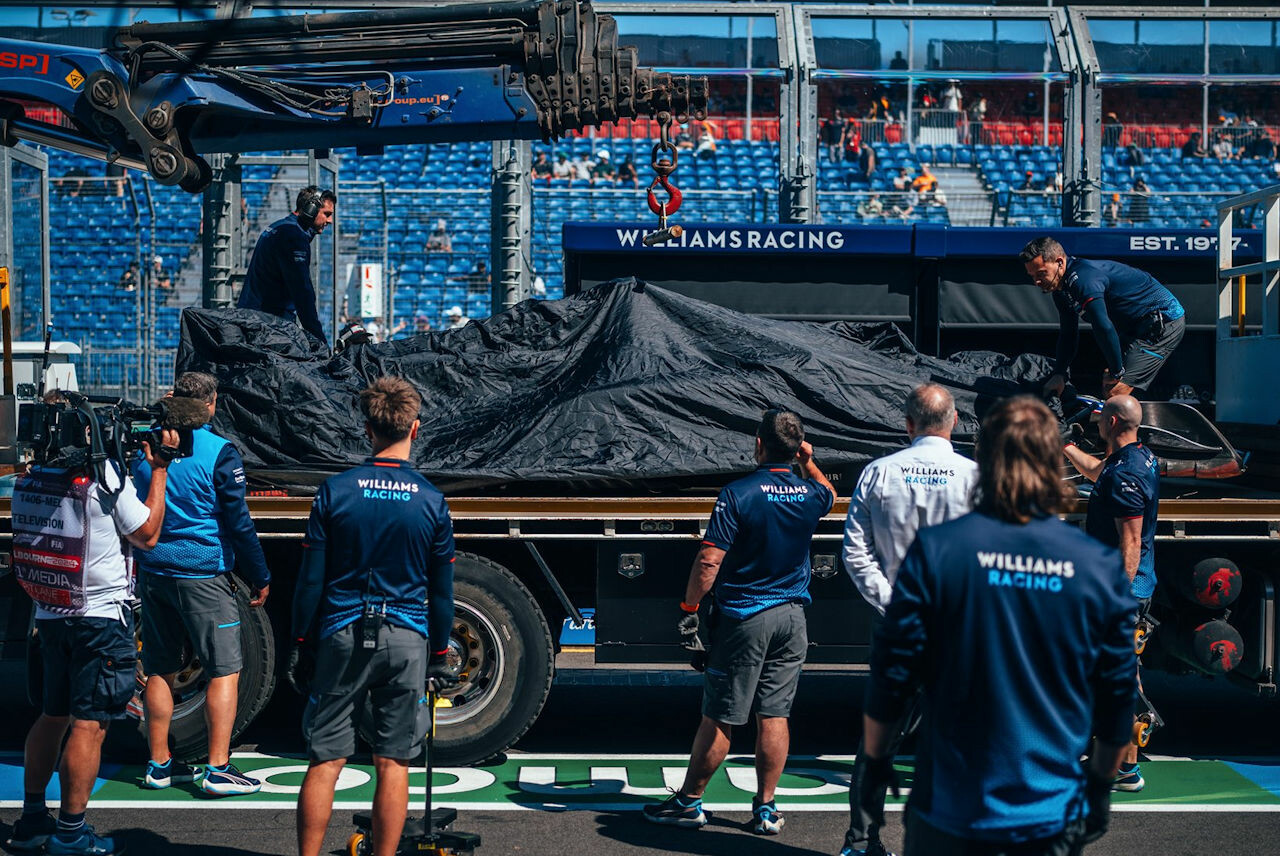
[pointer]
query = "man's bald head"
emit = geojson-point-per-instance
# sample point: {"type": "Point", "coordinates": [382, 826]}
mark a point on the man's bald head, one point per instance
{"type": "Point", "coordinates": [1125, 410]}
{"type": "Point", "coordinates": [931, 410]}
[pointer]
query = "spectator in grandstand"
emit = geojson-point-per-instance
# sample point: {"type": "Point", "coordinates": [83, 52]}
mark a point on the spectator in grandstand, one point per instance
{"type": "Point", "coordinates": [1136, 321]}
{"type": "Point", "coordinates": [1263, 146]}
{"type": "Point", "coordinates": [898, 63]}
{"type": "Point", "coordinates": [1112, 129]}
{"type": "Point", "coordinates": [456, 319]}
{"type": "Point", "coordinates": [1122, 514]}
{"type": "Point", "coordinates": [1139, 202]}
{"type": "Point", "coordinates": [374, 602]}
{"type": "Point", "coordinates": [706, 140]}
{"type": "Point", "coordinates": [85, 626]}
{"type": "Point", "coordinates": [952, 97]}
{"type": "Point", "coordinates": [1028, 181]}
{"type": "Point", "coordinates": [977, 118]}
{"type": "Point", "coordinates": [1030, 107]}
{"type": "Point", "coordinates": [851, 140]}
{"type": "Point", "coordinates": [684, 139]}
{"type": "Point", "coordinates": [866, 160]}
{"type": "Point", "coordinates": [1052, 183]}
{"type": "Point", "coordinates": [1192, 148]}
{"type": "Point", "coordinates": [603, 170]}
{"type": "Point", "coordinates": [903, 207]}
{"type": "Point", "coordinates": [74, 181]}
{"type": "Point", "coordinates": [129, 279]}
{"type": "Point", "coordinates": [189, 597]}
{"type": "Point", "coordinates": [279, 277]}
{"type": "Point", "coordinates": [422, 324]}
{"type": "Point", "coordinates": [583, 167]}
{"type": "Point", "coordinates": [830, 133]}
{"type": "Point", "coordinates": [890, 504]}
{"type": "Point", "coordinates": [159, 274]}
{"type": "Point", "coordinates": [478, 280]}
{"type": "Point", "coordinates": [902, 181]}
{"type": "Point", "coordinates": [375, 328]}
{"type": "Point", "coordinates": [562, 168]}
{"type": "Point", "coordinates": [755, 555]}
{"type": "Point", "coordinates": [438, 241]}
{"type": "Point", "coordinates": [541, 167]}
{"type": "Point", "coordinates": [627, 172]}
{"type": "Point", "coordinates": [1046, 648]}
{"type": "Point", "coordinates": [925, 185]}
{"type": "Point", "coordinates": [537, 285]}
{"type": "Point", "coordinates": [1222, 148]}
{"type": "Point", "coordinates": [1134, 155]}
{"type": "Point", "coordinates": [871, 206]}
{"type": "Point", "coordinates": [1112, 212]}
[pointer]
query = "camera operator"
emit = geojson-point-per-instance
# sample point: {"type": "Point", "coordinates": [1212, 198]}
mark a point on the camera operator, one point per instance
{"type": "Point", "coordinates": [67, 525]}
{"type": "Point", "coordinates": [188, 591]}
{"type": "Point", "coordinates": [376, 583]}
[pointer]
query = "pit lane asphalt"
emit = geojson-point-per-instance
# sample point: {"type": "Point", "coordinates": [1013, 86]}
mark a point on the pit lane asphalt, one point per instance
{"type": "Point", "coordinates": [595, 714]}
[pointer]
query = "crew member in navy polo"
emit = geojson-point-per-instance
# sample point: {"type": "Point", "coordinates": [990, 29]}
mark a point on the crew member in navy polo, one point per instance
{"type": "Point", "coordinates": [189, 600]}
{"type": "Point", "coordinates": [1122, 514]}
{"type": "Point", "coordinates": [279, 276]}
{"type": "Point", "coordinates": [375, 590]}
{"type": "Point", "coordinates": [1136, 320]}
{"type": "Point", "coordinates": [1019, 628]}
{"type": "Point", "coordinates": [755, 554]}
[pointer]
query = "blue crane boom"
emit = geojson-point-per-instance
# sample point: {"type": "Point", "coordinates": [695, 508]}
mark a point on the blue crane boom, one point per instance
{"type": "Point", "coordinates": [164, 95]}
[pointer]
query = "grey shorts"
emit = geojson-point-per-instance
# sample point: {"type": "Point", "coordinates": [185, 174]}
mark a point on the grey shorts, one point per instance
{"type": "Point", "coordinates": [755, 659]}
{"type": "Point", "coordinates": [1145, 356]}
{"type": "Point", "coordinates": [393, 676]}
{"type": "Point", "coordinates": [202, 610]}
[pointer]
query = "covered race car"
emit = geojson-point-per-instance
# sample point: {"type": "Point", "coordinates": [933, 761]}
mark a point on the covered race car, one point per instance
{"type": "Point", "coordinates": [625, 388]}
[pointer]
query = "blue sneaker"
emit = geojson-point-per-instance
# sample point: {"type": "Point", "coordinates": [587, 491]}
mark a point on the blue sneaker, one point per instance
{"type": "Point", "coordinates": [1129, 781]}
{"type": "Point", "coordinates": [875, 848]}
{"type": "Point", "coordinates": [31, 832]}
{"type": "Point", "coordinates": [160, 776]}
{"type": "Point", "coordinates": [87, 843]}
{"type": "Point", "coordinates": [768, 821]}
{"type": "Point", "coordinates": [228, 782]}
{"type": "Point", "coordinates": [678, 811]}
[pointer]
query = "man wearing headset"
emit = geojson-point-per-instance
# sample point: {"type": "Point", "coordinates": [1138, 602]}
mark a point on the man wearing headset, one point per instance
{"type": "Point", "coordinates": [279, 277]}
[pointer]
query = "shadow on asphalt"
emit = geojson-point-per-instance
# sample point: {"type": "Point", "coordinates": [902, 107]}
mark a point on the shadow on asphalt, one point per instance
{"type": "Point", "coordinates": [720, 837]}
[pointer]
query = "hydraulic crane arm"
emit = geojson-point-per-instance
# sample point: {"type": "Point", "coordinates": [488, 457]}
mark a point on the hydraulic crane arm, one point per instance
{"type": "Point", "coordinates": [165, 94]}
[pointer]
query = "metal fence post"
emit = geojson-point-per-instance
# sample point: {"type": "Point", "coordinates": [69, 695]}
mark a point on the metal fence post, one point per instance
{"type": "Point", "coordinates": [511, 243]}
{"type": "Point", "coordinates": [222, 228]}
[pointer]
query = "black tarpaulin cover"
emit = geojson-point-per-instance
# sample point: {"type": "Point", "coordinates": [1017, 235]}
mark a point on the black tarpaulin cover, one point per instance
{"type": "Point", "coordinates": [624, 387]}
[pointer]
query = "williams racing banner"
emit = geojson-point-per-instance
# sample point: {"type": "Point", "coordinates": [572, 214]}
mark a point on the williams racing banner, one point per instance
{"type": "Point", "coordinates": [622, 387]}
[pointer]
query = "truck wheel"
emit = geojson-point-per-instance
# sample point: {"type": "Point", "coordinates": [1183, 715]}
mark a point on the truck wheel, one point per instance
{"type": "Point", "coordinates": [188, 732]}
{"type": "Point", "coordinates": [507, 662]}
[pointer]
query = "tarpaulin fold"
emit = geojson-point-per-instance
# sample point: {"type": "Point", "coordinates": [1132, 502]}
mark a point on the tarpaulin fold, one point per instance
{"type": "Point", "coordinates": [625, 387]}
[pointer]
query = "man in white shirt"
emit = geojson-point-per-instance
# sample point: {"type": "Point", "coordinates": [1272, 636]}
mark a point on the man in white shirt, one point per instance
{"type": "Point", "coordinates": [67, 555]}
{"type": "Point", "coordinates": [923, 485]}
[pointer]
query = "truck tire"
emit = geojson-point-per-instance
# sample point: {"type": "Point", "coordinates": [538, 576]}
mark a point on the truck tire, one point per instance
{"type": "Point", "coordinates": [504, 643]}
{"type": "Point", "coordinates": [188, 732]}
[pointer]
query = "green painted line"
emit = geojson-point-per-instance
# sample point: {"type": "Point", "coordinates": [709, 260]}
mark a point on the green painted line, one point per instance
{"type": "Point", "coordinates": [569, 782]}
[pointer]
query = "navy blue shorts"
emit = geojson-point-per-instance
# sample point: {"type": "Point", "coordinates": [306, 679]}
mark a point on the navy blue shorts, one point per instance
{"type": "Point", "coordinates": [89, 666]}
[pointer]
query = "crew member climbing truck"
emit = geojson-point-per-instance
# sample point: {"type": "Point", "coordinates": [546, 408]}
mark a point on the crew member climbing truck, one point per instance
{"type": "Point", "coordinates": [539, 573]}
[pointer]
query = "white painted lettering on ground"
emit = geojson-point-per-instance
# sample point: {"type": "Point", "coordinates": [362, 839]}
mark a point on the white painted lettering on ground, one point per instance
{"type": "Point", "coordinates": [349, 778]}
{"type": "Point", "coordinates": [464, 781]}
{"type": "Point", "coordinates": [541, 780]}
{"type": "Point", "coordinates": [834, 782]}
